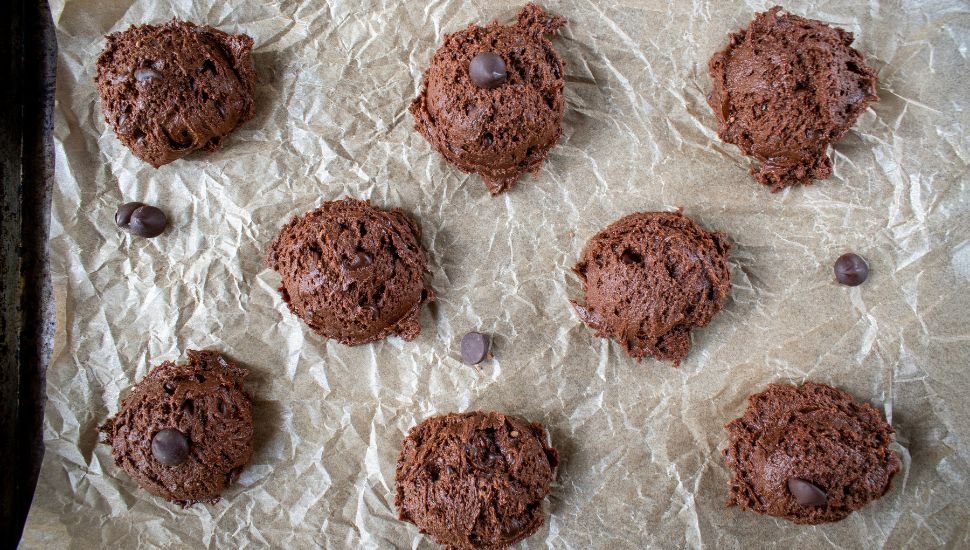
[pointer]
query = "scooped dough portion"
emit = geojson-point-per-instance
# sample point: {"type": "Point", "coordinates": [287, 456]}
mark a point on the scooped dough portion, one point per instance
{"type": "Point", "coordinates": [503, 132]}
{"type": "Point", "coordinates": [169, 90]}
{"type": "Point", "coordinates": [785, 88]}
{"type": "Point", "coordinates": [207, 415]}
{"type": "Point", "coordinates": [649, 279]}
{"type": "Point", "coordinates": [475, 480]}
{"type": "Point", "coordinates": [808, 454]}
{"type": "Point", "coordinates": [353, 272]}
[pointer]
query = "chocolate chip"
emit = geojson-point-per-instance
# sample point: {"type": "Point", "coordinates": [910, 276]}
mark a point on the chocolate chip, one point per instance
{"type": "Point", "coordinates": [143, 74]}
{"type": "Point", "coordinates": [807, 494]}
{"type": "Point", "coordinates": [147, 221]}
{"type": "Point", "coordinates": [170, 447]}
{"type": "Point", "coordinates": [487, 70]}
{"type": "Point", "coordinates": [140, 219]}
{"type": "Point", "coordinates": [123, 215]}
{"type": "Point", "coordinates": [360, 260]}
{"type": "Point", "coordinates": [474, 348]}
{"type": "Point", "coordinates": [851, 270]}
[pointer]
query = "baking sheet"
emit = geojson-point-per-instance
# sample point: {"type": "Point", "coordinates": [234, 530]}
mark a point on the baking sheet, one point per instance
{"type": "Point", "coordinates": [640, 441]}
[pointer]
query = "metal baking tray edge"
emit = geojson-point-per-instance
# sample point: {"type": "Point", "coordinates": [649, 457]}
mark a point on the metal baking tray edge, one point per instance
{"type": "Point", "coordinates": [28, 53]}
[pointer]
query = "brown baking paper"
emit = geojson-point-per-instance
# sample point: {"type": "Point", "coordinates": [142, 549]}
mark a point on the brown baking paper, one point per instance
{"type": "Point", "coordinates": [640, 442]}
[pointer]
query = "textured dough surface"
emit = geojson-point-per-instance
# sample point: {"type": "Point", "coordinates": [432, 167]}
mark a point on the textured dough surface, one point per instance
{"type": "Point", "coordinates": [205, 400]}
{"type": "Point", "coordinates": [498, 133]}
{"type": "Point", "coordinates": [168, 90]}
{"type": "Point", "coordinates": [474, 480]}
{"type": "Point", "coordinates": [786, 88]}
{"type": "Point", "coordinates": [353, 272]}
{"type": "Point", "coordinates": [815, 433]}
{"type": "Point", "coordinates": [650, 278]}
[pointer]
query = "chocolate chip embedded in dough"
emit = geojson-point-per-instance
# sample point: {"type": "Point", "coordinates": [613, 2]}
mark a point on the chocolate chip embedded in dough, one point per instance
{"type": "Point", "coordinates": [487, 70]}
{"type": "Point", "coordinates": [170, 447]}
{"type": "Point", "coordinates": [807, 494]}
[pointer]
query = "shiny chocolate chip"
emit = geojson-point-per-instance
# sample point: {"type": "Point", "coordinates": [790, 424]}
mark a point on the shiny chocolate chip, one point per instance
{"type": "Point", "coordinates": [140, 219]}
{"type": "Point", "coordinates": [851, 270]}
{"type": "Point", "coordinates": [487, 70]}
{"type": "Point", "coordinates": [807, 494]}
{"type": "Point", "coordinates": [123, 214]}
{"type": "Point", "coordinates": [474, 348]}
{"type": "Point", "coordinates": [170, 447]}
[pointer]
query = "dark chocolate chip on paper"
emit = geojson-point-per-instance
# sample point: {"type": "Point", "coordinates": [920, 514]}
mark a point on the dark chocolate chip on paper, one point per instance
{"type": "Point", "coordinates": [474, 348]}
{"type": "Point", "coordinates": [140, 219]}
{"type": "Point", "coordinates": [851, 270]}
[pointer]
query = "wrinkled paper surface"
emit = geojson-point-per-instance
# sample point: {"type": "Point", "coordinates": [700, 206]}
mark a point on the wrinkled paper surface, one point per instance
{"type": "Point", "coordinates": [640, 441]}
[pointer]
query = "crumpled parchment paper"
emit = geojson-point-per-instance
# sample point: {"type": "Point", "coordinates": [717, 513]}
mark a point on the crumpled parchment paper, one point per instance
{"type": "Point", "coordinates": [640, 441]}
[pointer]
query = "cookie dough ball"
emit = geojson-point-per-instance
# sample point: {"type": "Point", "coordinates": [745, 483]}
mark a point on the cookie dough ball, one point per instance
{"type": "Point", "coordinates": [492, 99]}
{"type": "Point", "coordinates": [353, 272]}
{"type": "Point", "coordinates": [651, 277]}
{"type": "Point", "coordinates": [186, 430]}
{"type": "Point", "coordinates": [169, 90]}
{"type": "Point", "coordinates": [786, 88]}
{"type": "Point", "coordinates": [809, 454]}
{"type": "Point", "coordinates": [475, 480]}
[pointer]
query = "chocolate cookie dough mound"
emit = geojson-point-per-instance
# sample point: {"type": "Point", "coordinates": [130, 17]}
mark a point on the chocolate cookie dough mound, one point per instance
{"type": "Point", "coordinates": [353, 272]}
{"type": "Point", "coordinates": [169, 90]}
{"type": "Point", "coordinates": [809, 454]}
{"type": "Point", "coordinates": [785, 88]}
{"type": "Point", "coordinates": [504, 126]}
{"type": "Point", "coordinates": [186, 430]}
{"type": "Point", "coordinates": [649, 278]}
{"type": "Point", "coordinates": [474, 480]}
